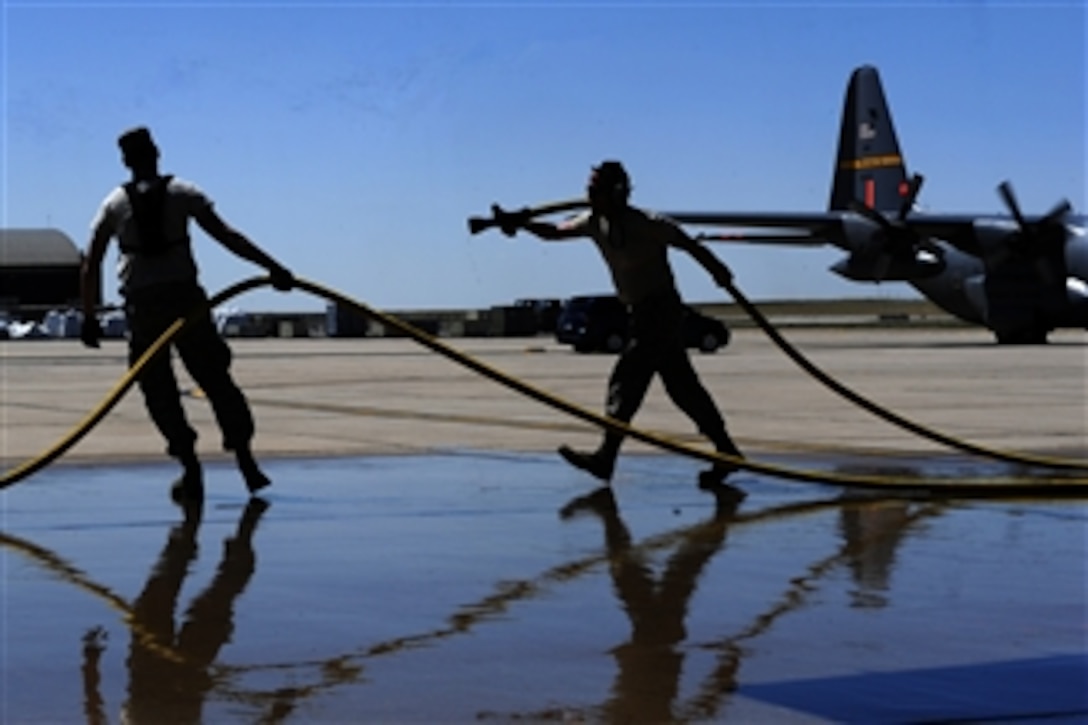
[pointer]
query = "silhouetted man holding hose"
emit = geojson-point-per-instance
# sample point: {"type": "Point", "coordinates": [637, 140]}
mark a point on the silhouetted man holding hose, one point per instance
{"type": "Point", "coordinates": [634, 244]}
{"type": "Point", "coordinates": [149, 217]}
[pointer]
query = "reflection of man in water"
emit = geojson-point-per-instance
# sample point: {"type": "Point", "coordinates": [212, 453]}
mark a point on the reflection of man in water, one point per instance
{"type": "Point", "coordinates": [649, 664]}
{"type": "Point", "coordinates": [168, 677]}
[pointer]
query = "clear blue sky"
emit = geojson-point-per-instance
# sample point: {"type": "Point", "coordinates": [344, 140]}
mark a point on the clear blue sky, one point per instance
{"type": "Point", "coordinates": [352, 140]}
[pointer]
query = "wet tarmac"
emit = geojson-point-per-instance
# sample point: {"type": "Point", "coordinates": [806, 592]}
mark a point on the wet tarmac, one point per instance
{"type": "Point", "coordinates": [479, 586]}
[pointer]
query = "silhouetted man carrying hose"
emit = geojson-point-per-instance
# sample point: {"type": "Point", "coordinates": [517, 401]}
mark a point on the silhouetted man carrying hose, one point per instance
{"type": "Point", "coordinates": [149, 216]}
{"type": "Point", "coordinates": [634, 244]}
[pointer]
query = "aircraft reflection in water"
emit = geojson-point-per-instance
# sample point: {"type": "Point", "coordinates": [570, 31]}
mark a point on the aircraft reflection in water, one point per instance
{"type": "Point", "coordinates": [1021, 276]}
{"type": "Point", "coordinates": [650, 664]}
{"type": "Point", "coordinates": [872, 534]}
{"type": "Point", "coordinates": [169, 667]}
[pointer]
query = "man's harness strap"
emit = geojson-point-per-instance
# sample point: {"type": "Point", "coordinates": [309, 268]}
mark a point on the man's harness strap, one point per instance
{"type": "Point", "coordinates": [148, 201]}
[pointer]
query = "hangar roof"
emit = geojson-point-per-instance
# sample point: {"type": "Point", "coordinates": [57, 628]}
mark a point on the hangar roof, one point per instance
{"type": "Point", "coordinates": [37, 248]}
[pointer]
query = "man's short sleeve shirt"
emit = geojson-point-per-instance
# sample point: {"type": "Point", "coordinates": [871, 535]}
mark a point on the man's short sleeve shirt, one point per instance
{"type": "Point", "coordinates": [176, 264]}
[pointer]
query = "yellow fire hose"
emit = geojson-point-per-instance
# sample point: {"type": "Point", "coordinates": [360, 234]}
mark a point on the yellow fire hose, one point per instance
{"type": "Point", "coordinates": [478, 224]}
{"type": "Point", "coordinates": [951, 486]}
{"type": "Point", "coordinates": [854, 397]}
{"type": "Point", "coordinates": [91, 420]}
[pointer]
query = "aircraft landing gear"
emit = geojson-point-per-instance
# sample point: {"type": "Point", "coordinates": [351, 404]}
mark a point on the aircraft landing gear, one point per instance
{"type": "Point", "coordinates": [1022, 336]}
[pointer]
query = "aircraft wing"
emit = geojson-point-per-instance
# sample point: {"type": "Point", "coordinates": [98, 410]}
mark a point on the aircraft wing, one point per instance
{"type": "Point", "coordinates": [812, 228]}
{"type": "Point", "coordinates": [813, 223]}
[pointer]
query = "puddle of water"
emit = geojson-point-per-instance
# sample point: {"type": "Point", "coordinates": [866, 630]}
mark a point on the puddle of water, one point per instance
{"type": "Point", "coordinates": [499, 586]}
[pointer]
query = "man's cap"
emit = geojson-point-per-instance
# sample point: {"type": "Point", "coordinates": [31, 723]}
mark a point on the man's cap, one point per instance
{"type": "Point", "coordinates": [610, 174]}
{"type": "Point", "coordinates": [136, 141]}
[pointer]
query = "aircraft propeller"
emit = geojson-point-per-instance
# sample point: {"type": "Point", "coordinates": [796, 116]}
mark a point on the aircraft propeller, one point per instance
{"type": "Point", "coordinates": [901, 240]}
{"type": "Point", "coordinates": [1041, 242]}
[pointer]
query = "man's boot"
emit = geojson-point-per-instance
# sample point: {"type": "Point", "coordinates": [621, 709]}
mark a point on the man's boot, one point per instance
{"type": "Point", "coordinates": [601, 463]}
{"type": "Point", "coordinates": [718, 472]}
{"type": "Point", "coordinates": [251, 472]}
{"type": "Point", "coordinates": [189, 487]}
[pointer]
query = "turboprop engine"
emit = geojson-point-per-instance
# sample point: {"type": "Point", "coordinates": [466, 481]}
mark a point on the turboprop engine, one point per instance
{"type": "Point", "coordinates": [882, 252]}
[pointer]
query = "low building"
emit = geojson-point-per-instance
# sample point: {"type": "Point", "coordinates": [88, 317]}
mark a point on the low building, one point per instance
{"type": "Point", "coordinates": [39, 271]}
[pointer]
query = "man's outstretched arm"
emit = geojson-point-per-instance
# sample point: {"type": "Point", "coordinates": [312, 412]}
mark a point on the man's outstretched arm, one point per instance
{"type": "Point", "coordinates": [240, 244]}
{"type": "Point", "coordinates": [511, 221]}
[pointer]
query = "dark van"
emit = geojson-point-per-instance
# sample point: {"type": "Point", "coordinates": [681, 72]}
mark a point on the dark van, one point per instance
{"type": "Point", "coordinates": [599, 323]}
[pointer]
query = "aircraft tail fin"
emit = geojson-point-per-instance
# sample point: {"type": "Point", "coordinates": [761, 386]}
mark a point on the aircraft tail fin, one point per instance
{"type": "Point", "coordinates": [869, 166]}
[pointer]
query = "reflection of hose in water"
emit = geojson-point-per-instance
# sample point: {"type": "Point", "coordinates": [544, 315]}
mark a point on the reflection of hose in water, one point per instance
{"type": "Point", "coordinates": [347, 667]}
{"type": "Point", "coordinates": [343, 668]}
{"type": "Point", "coordinates": [953, 486]}
{"type": "Point", "coordinates": [706, 703]}
{"type": "Point", "coordinates": [340, 669]}
{"type": "Point", "coordinates": [65, 571]}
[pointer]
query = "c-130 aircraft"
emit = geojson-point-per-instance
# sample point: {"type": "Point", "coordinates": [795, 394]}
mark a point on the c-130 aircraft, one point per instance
{"type": "Point", "coordinates": [1021, 276]}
